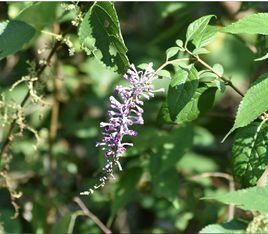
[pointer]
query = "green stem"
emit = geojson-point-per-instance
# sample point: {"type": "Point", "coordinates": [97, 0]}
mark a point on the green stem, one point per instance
{"type": "Point", "coordinates": [171, 62]}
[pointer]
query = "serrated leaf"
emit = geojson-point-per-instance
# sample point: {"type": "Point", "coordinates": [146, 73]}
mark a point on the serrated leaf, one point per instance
{"type": "Point", "coordinates": [14, 35]}
{"type": "Point", "coordinates": [181, 89]}
{"type": "Point", "coordinates": [39, 14]}
{"type": "Point", "coordinates": [262, 58]}
{"type": "Point", "coordinates": [172, 52]}
{"type": "Point", "coordinates": [196, 29]}
{"type": "Point", "coordinates": [253, 199]}
{"type": "Point", "coordinates": [252, 24]}
{"type": "Point", "coordinates": [233, 226]}
{"type": "Point", "coordinates": [163, 73]}
{"type": "Point", "coordinates": [206, 37]}
{"type": "Point", "coordinates": [250, 153]}
{"type": "Point", "coordinates": [253, 104]}
{"type": "Point", "coordinates": [101, 28]}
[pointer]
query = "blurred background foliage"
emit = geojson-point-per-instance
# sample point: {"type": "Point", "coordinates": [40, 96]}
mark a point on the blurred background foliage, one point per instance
{"type": "Point", "coordinates": [156, 191]}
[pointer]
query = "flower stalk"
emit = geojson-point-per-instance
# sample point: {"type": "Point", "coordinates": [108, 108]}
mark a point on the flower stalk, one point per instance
{"type": "Point", "coordinates": [125, 111]}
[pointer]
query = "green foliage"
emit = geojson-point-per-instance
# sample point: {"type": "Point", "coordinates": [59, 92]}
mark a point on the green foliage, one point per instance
{"type": "Point", "coordinates": [163, 73]}
{"type": "Point", "coordinates": [206, 37]}
{"type": "Point", "coordinates": [100, 30]}
{"type": "Point", "coordinates": [251, 24]}
{"type": "Point", "coordinates": [39, 14]}
{"type": "Point", "coordinates": [197, 32]}
{"type": "Point", "coordinates": [182, 88]}
{"type": "Point", "coordinates": [171, 52]}
{"type": "Point", "coordinates": [253, 104]}
{"type": "Point", "coordinates": [9, 42]}
{"type": "Point", "coordinates": [176, 158]}
{"type": "Point", "coordinates": [233, 226]}
{"type": "Point", "coordinates": [253, 199]}
{"type": "Point", "coordinates": [250, 155]}
{"type": "Point", "coordinates": [201, 102]}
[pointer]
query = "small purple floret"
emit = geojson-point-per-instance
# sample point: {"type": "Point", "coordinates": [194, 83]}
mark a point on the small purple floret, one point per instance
{"type": "Point", "coordinates": [125, 111]}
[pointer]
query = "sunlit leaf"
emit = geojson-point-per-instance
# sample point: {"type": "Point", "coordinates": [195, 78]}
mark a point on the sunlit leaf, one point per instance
{"type": "Point", "coordinates": [253, 104]}
{"type": "Point", "coordinates": [251, 24]}
{"type": "Point", "coordinates": [182, 87]}
{"type": "Point", "coordinates": [253, 199]}
{"type": "Point", "coordinates": [100, 29]}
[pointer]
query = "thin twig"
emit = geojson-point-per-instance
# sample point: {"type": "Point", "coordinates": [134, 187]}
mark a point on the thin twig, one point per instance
{"type": "Point", "coordinates": [40, 70]}
{"type": "Point", "coordinates": [171, 62]}
{"type": "Point", "coordinates": [231, 209]}
{"type": "Point", "coordinates": [94, 218]}
{"type": "Point", "coordinates": [226, 80]}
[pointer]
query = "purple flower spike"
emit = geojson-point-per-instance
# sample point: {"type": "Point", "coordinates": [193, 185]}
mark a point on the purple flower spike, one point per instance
{"type": "Point", "coordinates": [124, 112]}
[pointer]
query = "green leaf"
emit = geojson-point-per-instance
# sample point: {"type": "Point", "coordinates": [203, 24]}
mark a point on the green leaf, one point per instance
{"type": "Point", "coordinates": [250, 153]}
{"type": "Point", "coordinates": [234, 226]}
{"type": "Point", "coordinates": [252, 24]}
{"type": "Point", "coordinates": [66, 223]}
{"type": "Point", "coordinates": [206, 37]}
{"type": "Point", "coordinates": [262, 58]}
{"type": "Point", "coordinates": [179, 43]}
{"type": "Point", "coordinates": [253, 104]}
{"type": "Point", "coordinates": [181, 89]}
{"type": "Point", "coordinates": [200, 103]}
{"type": "Point", "coordinates": [220, 85]}
{"type": "Point", "coordinates": [13, 36]}
{"type": "Point", "coordinates": [200, 51]}
{"type": "Point", "coordinates": [172, 52]}
{"type": "Point", "coordinates": [218, 68]}
{"type": "Point", "coordinates": [207, 76]}
{"type": "Point", "coordinates": [100, 30]}
{"type": "Point", "coordinates": [39, 14]}
{"type": "Point", "coordinates": [143, 66]}
{"type": "Point", "coordinates": [197, 28]}
{"type": "Point", "coordinates": [253, 199]}
{"type": "Point", "coordinates": [163, 73]}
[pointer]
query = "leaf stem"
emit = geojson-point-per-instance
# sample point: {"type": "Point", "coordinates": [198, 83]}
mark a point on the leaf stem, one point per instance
{"type": "Point", "coordinates": [170, 62]}
{"type": "Point", "coordinates": [226, 80]}
{"type": "Point", "coordinates": [93, 217]}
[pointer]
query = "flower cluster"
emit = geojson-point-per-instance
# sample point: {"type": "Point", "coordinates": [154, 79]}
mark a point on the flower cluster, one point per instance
{"type": "Point", "coordinates": [125, 111]}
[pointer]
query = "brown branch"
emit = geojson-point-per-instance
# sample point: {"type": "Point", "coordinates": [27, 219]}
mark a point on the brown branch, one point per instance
{"type": "Point", "coordinates": [39, 72]}
{"type": "Point", "coordinates": [94, 218]}
{"type": "Point", "coordinates": [41, 69]}
{"type": "Point", "coordinates": [226, 176]}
